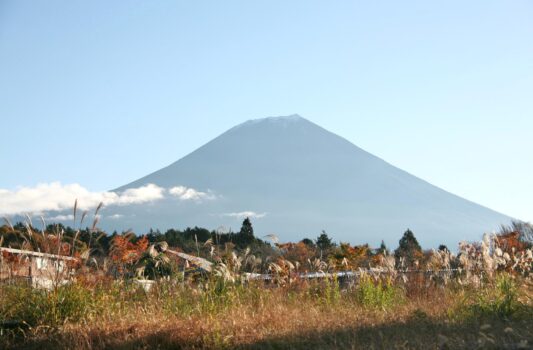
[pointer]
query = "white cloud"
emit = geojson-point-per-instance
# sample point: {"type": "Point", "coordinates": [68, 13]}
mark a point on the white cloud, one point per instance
{"type": "Point", "coordinates": [61, 218]}
{"type": "Point", "coordinates": [143, 194]}
{"type": "Point", "coordinates": [115, 216]}
{"type": "Point", "coordinates": [185, 193]}
{"type": "Point", "coordinates": [55, 196]}
{"type": "Point", "coordinates": [246, 214]}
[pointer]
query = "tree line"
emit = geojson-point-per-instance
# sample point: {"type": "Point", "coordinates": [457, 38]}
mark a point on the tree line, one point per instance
{"type": "Point", "coordinates": [198, 241]}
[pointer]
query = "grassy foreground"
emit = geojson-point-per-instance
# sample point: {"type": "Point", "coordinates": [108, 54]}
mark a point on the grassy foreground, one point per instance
{"type": "Point", "coordinates": [372, 314]}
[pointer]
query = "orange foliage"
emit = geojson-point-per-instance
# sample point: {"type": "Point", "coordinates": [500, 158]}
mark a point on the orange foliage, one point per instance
{"type": "Point", "coordinates": [355, 256]}
{"type": "Point", "coordinates": [53, 248]}
{"type": "Point", "coordinates": [125, 251]}
{"type": "Point", "coordinates": [297, 252]}
{"type": "Point", "coordinates": [377, 259]}
{"type": "Point", "coordinates": [508, 241]}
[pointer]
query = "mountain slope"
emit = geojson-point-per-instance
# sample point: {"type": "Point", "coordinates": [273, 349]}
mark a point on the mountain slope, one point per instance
{"type": "Point", "coordinates": [303, 179]}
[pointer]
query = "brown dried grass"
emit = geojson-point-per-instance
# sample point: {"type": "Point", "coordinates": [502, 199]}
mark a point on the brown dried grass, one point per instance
{"type": "Point", "coordinates": [288, 318]}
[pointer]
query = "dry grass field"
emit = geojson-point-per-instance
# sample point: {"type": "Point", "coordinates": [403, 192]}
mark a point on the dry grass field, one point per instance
{"type": "Point", "coordinates": [140, 294]}
{"type": "Point", "coordinates": [302, 315]}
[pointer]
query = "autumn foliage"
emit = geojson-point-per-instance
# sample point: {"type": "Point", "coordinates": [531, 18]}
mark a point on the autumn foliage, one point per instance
{"type": "Point", "coordinates": [510, 242]}
{"type": "Point", "coordinates": [124, 250]}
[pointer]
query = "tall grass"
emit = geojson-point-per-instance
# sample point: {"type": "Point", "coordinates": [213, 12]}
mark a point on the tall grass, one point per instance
{"type": "Point", "coordinates": [217, 313]}
{"type": "Point", "coordinates": [499, 299]}
{"type": "Point", "coordinates": [380, 294]}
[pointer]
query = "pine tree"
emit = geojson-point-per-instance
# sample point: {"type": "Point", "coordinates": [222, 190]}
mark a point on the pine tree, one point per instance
{"type": "Point", "coordinates": [383, 248]}
{"type": "Point", "coordinates": [247, 229]}
{"type": "Point", "coordinates": [245, 237]}
{"type": "Point", "coordinates": [308, 242]}
{"type": "Point", "coordinates": [443, 248]}
{"type": "Point", "coordinates": [323, 242]}
{"type": "Point", "coordinates": [409, 248]}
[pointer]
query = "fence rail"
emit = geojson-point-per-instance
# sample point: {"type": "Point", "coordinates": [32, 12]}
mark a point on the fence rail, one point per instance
{"type": "Point", "coordinates": [360, 272]}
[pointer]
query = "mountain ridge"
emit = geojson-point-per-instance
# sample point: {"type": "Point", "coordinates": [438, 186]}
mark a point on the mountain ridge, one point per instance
{"type": "Point", "coordinates": [308, 178]}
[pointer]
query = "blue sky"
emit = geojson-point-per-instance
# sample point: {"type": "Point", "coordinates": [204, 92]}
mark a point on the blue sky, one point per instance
{"type": "Point", "coordinates": [101, 93]}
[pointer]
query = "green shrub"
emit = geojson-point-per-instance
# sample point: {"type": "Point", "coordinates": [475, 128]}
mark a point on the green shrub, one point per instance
{"type": "Point", "coordinates": [378, 295]}
{"type": "Point", "coordinates": [499, 300]}
{"type": "Point", "coordinates": [326, 292]}
{"type": "Point", "coordinates": [331, 293]}
{"type": "Point", "coordinates": [33, 307]}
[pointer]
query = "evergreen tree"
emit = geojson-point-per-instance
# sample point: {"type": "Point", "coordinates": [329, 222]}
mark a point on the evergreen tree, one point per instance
{"type": "Point", "coordinates": [323, 242]}
{"type": "Point", "coordinates": [308, 242]}
{"type": "Point", "coordinates": [443, 248]}
{"type": "Point", "coordinates": [383, 248]}
{"type": "Point", "coordinates": [246, 229]}
{"type": "Point", "coordinates": [409, 248]}
{"type": "Point", "coordinates": [245, 237]}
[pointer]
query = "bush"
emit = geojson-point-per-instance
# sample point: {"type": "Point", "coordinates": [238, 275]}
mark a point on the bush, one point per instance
{"type": "Point", "coordinates": [331, 293]}
{"type": "Point", "coordinates": [34, 307]}
{"type": "Point", "coordinates": [378, 295]}
{"type": "Point", "coordinates": [499, 301]}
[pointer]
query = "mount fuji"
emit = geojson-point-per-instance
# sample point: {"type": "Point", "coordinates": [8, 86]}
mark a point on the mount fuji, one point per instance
{"type": "Point", "coordinates": [294, 178]}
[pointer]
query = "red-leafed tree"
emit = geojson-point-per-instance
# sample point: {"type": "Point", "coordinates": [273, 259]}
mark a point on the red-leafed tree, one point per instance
{"type": "Point", "coordinates": [125, 252]}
